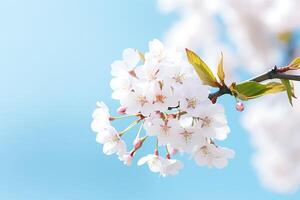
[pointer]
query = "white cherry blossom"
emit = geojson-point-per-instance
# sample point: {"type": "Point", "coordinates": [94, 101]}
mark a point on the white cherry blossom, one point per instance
{"type": "Point", "coordinates": [125, 67]}
{"type": "Point", "coordinates": [162, 96]}
{"type": "Point", "coordinates": [123, 72]}
{"type": "Point", "coordinates": [157, 164]}
{"type": "Point", "coordinates": [212, 156]}
{"type": "Point", "coordinates": [101, 118]}
{"type": "Point", "coordinates": [170, 167]}
{"type": "Point", "coordinates": [164, 130]}
{"type": "Point", "coordinates": [112, 143]}
{"type": "Point", "coordinates": [212, 121]}
{"type": "Point", "coordinates": [194, 98]}
{"type": "Point", "coordinates": [153, 161]}
{"type": "Point", "coordinates": [156, 50]}
{"type": "Point", "coordinates": [138, 101]}
{"type": "Point", "coordinates": [121, 87]}
{"type": "Point", "coordinates": [187, 138]}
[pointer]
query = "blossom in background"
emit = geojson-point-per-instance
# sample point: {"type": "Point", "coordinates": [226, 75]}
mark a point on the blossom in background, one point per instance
{"type": "Point", "coordinates": [254, 35]}
{"type": "Point", "coordinates": [275, 136]}
{"type": "Point", "coordinates": [163, 94]}
{"type": "Point", "coordinates": [242, 30]}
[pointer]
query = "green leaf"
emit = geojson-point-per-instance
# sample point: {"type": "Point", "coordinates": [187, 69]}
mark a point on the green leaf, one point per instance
{"type": "Point", "coordinates": [220, 72]}
{"type": "Point", "coordinates": [274, 87]}
{"type": "Point", "coordinates": [295, 64]}
{"type": "Point", "coordinates": [203, 71]}
{"type": "Point", "coordinates": [251, 89]}
{"type": "Point", "coordinates": [289, 90]}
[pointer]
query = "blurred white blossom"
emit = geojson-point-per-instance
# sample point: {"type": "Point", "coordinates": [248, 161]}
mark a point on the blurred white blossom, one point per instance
{"type": "Point", "coordinates": [251, 29]}
{"type": "Point", "coordinates": [275, 134]}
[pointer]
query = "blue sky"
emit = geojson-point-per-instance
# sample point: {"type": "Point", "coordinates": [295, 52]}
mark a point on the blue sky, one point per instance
{"type": "Point", "coordinates": [55, 60]}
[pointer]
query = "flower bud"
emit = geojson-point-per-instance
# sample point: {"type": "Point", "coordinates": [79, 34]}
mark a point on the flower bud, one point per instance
{"type": "Point", "coordinates": [121, 110]}
{"type": "Point", "coordinates": [132, 73]}
{"type": "Point", "coordinates": [137, 143]}
{"type": "Point", "coordinates": [156, 152]}
{"type": "Point", "coordinates": [168, 156]}
{"type": "Point", "coordinates": [239, 106]}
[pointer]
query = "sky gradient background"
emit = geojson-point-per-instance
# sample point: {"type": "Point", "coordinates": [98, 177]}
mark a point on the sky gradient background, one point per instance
{"type": "Point", "coordinates": [55, 58]}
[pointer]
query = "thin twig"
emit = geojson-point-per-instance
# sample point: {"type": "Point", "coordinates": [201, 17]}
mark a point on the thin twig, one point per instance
{"type": "Point", "coordinates": [223, 90]}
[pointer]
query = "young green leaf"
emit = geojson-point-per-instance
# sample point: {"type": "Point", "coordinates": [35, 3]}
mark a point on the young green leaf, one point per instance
{"type": "Point", "coordinates": [295, 64]}
{"type": "Point", "coordinates": [274, 87]}
{"type": "Point", "coordinates": [220, 72]}
{"type": "Point", "coordinates": [203, 71]}
{"type": "Point", "coordinates": [289, 90]}
{"type": "Point", "coordinates": [251, 89]}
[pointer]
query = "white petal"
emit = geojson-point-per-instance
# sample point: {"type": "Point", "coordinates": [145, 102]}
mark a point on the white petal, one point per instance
{"type": "Point", "coordinates": [101, 138]}
{"type": "Point", "coordinates": [201, 161]}
{"type": "Point", "coordinates": [131, 57]}
{"type": "Point", "coordinates": [156, 47]}
{"type": "Point", "coordinates": [220, 163]}
{"type": "Point", "coordinates": [144, 159]}
{"type": "Point", "coordinates": [99, 125]}
{"type": "Point", "coordinates": [155, 164]}
{"type": "Point", "coordinates": [109, 148]}
{"type": "Point", "coordinates": [118, 68]}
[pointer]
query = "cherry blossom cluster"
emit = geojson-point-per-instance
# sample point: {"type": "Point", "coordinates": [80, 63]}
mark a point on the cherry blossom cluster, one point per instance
{"type": "Point", "coordinates": [161, 91]}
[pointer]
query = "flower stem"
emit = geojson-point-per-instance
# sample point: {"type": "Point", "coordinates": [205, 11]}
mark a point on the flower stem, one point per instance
{"type": "Point", "coordinates": [142, 142]}
{"type": "Point", "coordinates": [123, 117]}
{"type": "Point", "coordinates": [132, 125]}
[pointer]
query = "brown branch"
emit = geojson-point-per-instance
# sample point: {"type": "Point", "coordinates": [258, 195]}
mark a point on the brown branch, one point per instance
{"type": "Point", "coordinates": [275, 73]}
{"type": "Point", "coordinates": [223, 90]}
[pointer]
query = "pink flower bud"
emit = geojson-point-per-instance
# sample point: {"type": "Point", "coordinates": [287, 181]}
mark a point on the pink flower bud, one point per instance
{"type": "Point", "coordinates": [121, 110]}
{"type": "Point", "coordinates": [239, 106]}
{"type": "Point", "coordinates": [156, 152]}
{"type": "Point", "coordinates": [168, 156]}
{"type": "Point", "coordinates": [132, 73]}
{"type": "Point", "coordinates": [137, 143]}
